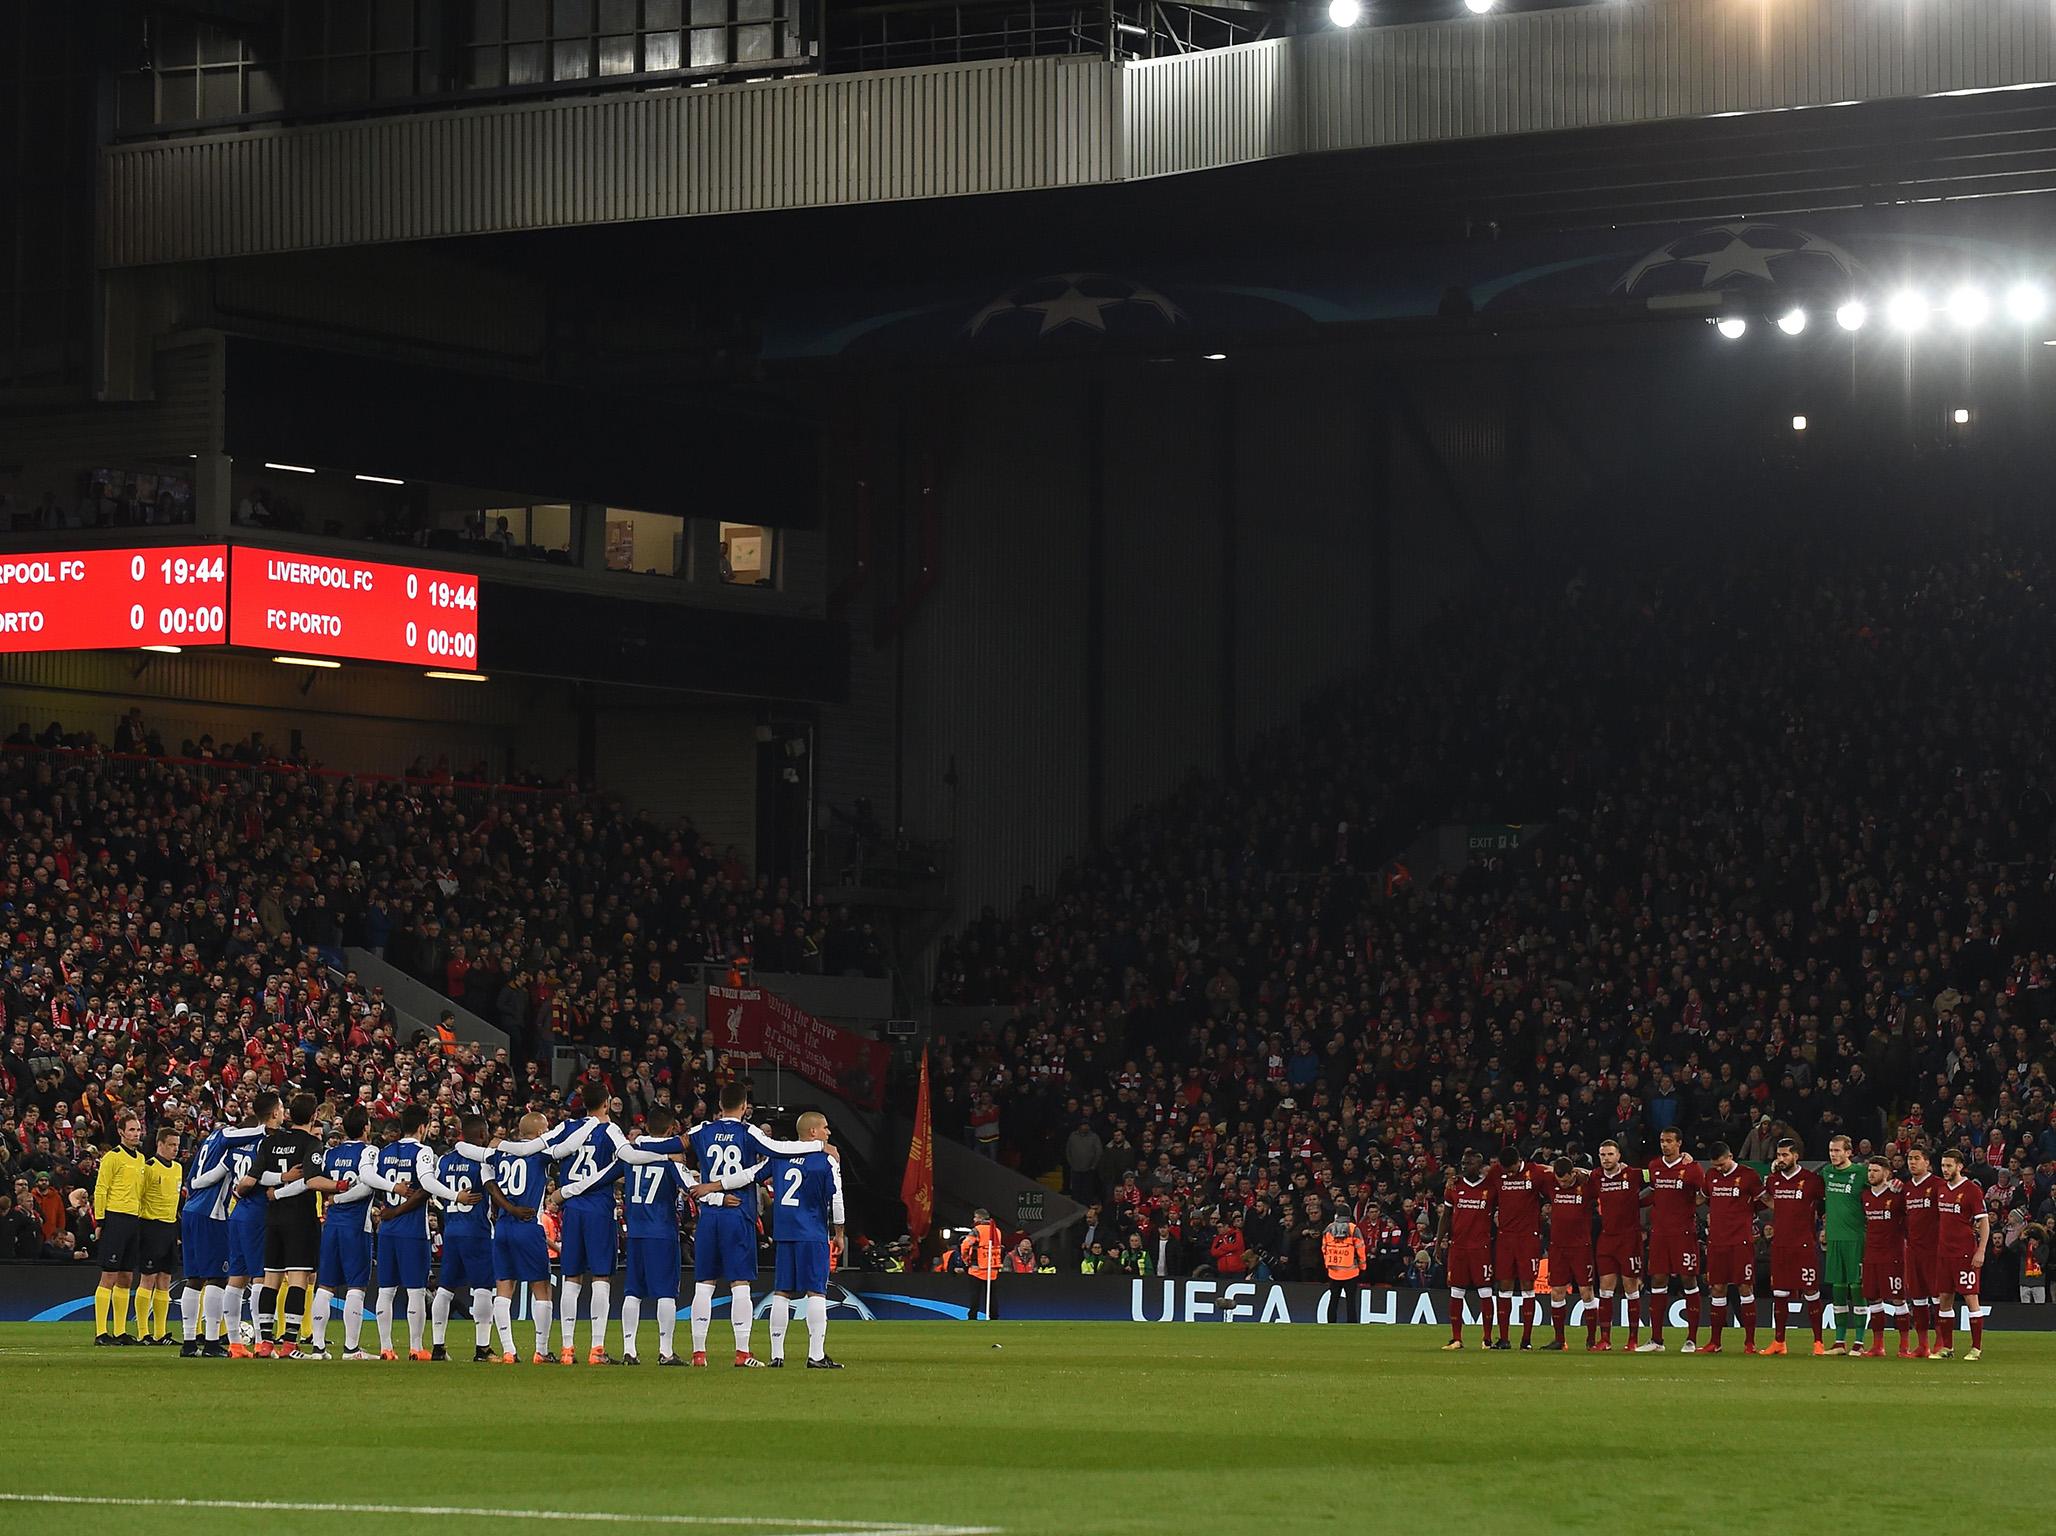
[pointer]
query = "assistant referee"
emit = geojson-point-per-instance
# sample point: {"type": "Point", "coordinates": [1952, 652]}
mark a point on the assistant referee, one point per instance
{"type": "Point", "coordinates": [118, 1207]}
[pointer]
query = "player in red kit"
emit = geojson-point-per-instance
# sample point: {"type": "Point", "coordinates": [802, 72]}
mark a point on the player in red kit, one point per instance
{"type": "Point", "coordinates": [1884, 1257]}
{"type": "Point", "coordinates": [1794, 1195]}
{"type": "Point", "coordinates": [1571, 1197]}
{"type": "Point", "coordinates": [1464, 1232]}
{"type": "Point", "coordinates": [1963, 1231]}
{"type": "Point", "coordinates": [1923, 1286]}
{"type": "Point", "coordinates": [1521, 1187]}
{"type": "Point", "coordinates": [1732, 1193]}
{"type": "Point", "coordinates": [1619, 1191]}
{"type": "Point", "coordinates": [1676, 1186]}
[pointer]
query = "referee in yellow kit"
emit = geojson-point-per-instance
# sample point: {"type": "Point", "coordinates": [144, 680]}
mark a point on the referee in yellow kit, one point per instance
{"type": "Point", "coordinates": [118, 1207]}
{"type": "Point", "coordinates": [161, 1177]}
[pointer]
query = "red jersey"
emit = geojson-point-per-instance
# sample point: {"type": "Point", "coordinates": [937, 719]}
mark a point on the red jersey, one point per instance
{"type": "Point", "coordinates": [1957, 1207]}
{"type": "Point", "coordinates": [1922, 1219]}
{"type": "Point", "coordinates": [1620, 1203]}
{"type": "Point", "coordinates": [1470, 1213]}
{"type": "Point", "coordinates": [1731, 1206]}
{"type": "Point", "coordinates": [1674, 1191]}
{"type": "Point", "coordinates": [1520, 1196]}
{"type": "Point", "coordinates": [1884, 1220]}
{"type": "Point", "coordinates": [1570, 1215]}
{"type": "Point", "coordinates": [1795, 1202]}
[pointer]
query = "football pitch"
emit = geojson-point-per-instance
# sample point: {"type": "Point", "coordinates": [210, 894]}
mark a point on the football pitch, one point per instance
{"type": "Point", "coordinates": [1068, 1427]}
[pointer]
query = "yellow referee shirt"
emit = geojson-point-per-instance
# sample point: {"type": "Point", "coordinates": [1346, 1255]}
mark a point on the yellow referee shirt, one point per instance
{"type": "Point", "coordinates": [160, 1189]}
{"type": "Point", "coordinates": [118, 1190]}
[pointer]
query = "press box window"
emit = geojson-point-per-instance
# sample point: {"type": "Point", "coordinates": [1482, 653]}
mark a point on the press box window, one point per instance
{"type": "Point", "coordinates": [747, 554]}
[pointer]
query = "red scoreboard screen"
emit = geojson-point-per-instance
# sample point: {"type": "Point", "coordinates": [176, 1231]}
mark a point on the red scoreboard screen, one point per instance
{"type": "Point", "coordinates": [359, 610]}
{"type": "Point", "coordinates": [108, 599]}
{"type": "Point", "coordinates": [215, 594]}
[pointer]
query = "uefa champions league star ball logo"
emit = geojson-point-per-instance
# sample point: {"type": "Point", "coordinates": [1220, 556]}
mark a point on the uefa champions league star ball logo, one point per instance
{"type": "Point", "coordinates": [1742, 255]}
{"type": "Point", "coordinates": [1075, 304]}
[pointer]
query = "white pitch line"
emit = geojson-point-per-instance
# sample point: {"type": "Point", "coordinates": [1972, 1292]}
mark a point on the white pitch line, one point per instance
{"type": "Point", "coordinates": [584, 1516]}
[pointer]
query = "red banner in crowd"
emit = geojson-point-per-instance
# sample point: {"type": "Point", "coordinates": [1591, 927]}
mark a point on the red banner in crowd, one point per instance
{"type": "Point", "coordinates": [759, 1023]}
{"type": "Point", "coordinates": [917, 1184]}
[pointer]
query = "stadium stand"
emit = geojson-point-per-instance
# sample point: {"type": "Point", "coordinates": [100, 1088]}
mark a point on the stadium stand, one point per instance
{"type": "Point", "coordinates": [174, 931]}
{"type": "Point", "coordinates": [1770, 899]}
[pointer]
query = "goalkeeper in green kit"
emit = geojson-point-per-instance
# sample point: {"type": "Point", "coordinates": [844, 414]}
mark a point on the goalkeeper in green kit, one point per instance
{"type": "Point", "coordinates": [1844, 1178]}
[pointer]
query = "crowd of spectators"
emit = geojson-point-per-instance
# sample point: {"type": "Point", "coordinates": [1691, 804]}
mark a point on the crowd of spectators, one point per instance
{"type": "Point", "coordinates": [1785, 868]}
{"type": "Point", "coordinates": [174, 932]}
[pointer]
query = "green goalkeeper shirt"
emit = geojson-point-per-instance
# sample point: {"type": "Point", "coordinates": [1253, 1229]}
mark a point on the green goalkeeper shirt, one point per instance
{"type": "Point", "coordinates": [1844, 1201]}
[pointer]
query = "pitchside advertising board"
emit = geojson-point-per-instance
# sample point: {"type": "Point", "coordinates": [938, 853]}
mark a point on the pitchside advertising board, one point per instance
{"type": "Point", "coordinates": [47, 1294]}
{"type": "Point", "coordinates": [217, 594]}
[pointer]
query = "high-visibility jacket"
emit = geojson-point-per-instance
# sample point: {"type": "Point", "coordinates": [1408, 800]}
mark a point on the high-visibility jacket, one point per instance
{"type": "Point", "coordinates": [981, 1249]}
{"type": "Point", "coordinates": [1344, 1254]}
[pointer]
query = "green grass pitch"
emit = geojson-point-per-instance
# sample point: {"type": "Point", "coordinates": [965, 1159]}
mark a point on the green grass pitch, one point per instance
{"type": "Point", "coordinates": [1081, 1427]}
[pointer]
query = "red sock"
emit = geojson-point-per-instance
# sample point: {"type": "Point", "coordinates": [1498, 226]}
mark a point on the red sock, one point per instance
{"type": "Point", "coordinates": [1606, 1317]}
{"type": "Point", "coordinates": [1749, 1321]}
{"type": "Point", "coordinates": [1456, 1316]}
{"type": "Point", "coordinates": [1813, 1316]}
{"type": "Point", "coordinates": [1528, 1321]}
{"type": "Point", "coordinates": [1559, 1316]}
{"type": "Point", "coordinates": [1977, 1329]}
{"type": "Point", "coordinates": [1635, 1321]}
{"type": "Point", "coordinates": [1945, 1326]}
{"type": "Point", "coordinates": [1780, 1312]}
{"type": "Point", "coordinates": [1691, 1317]}
{"type": "Point", "coordinates": [1652, 1313]}
{"type": "Point", "coordinates": [1718, 1321]}
{"type": "Point", "coordinates": [1920, 1310]}
{"type": "Point", "coordinates": [1501, 1307]}
{"type": "Point", "coordinates": [1877, 1332]}
{"type": "Point", "coordinates": [1901, 1320]}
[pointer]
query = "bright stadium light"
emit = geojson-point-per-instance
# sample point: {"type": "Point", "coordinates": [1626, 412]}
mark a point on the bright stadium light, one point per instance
{"type": "Point", "coordinates": [1792, 321]}
{"type": "Point", "coordinates": [1479, 7]}
{"type": "Point", "coordinates": [1907, 310]}
{"type": "Point", "coordinates": [1851, 316]}
{"type": "Point", "coordinates": [2025, 303]}
{"type": "Point", "coordinates": [1798, 423]}
{"type": "Point", "coordinates": [1734, 327]}
{"type": "Point", "coordinates": [1961, 417]}
{"type": "Point", "coordinates": [1345, 13]}
{"type": "Point", "coordinates": [1970, 307]}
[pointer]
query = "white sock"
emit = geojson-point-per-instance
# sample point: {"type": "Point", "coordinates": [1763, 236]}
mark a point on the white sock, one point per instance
{"type": "Point", "coordinates": [602, 1311]}
{"type": "Point", "coordinates": [503, 1322]}
{"type": "Point", "coordinates": [702, 1314]}
{"type": "Point", "coordinates": [544, 1309]}
{"type": "Point", "coordinates": [417, 1316]}
{"type": "Point", "coordinates": [741, 1314]}
{"type": "Point", "coordinates": [353, 1319]}
{"type": "Point", "coordinates": [323, 1300]}
{"type": "Point", "coordinates": [481, 1316]}
{"type": "Point", "coordinates": [210, 1312]}
{"type": "Point", "coordinates": [383, 1314]}
{"type": "Point", "coordinates": [231, 1311]}
{"type": "Point", "coordinates": [631, 1319]}
{"type": "Point", "coordinates": [817, 1327]}
{"type": "Point", "coordinates": [189, 1312]}
{"type": "Point", "coordinates": [781, 1316]}
{"type": "Point", "coordinates": [667, 1324]}
{"type": "Point", "coordinates": [439, 1314]}
{"type": "Point", "coordinates": [255, 1296]}
{"type": "Point", "coordinates": [567, 1323]}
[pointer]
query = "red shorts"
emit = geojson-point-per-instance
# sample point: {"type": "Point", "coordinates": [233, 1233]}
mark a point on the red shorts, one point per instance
{"type": "Point", "coordinates": [1795, 1271]}
{"type": "Point", "coordinates": [1674, 1254]}
{"type": "Point", "coordinates": [1922, 1274]}
{"type": "Point", "coordinates": [1884, 1276]}
{"type": "Point", "coordinates": [1515, 1261]}
{"type": "Point", "coordinates": [1731, 1266]}
{"type": "Point", "coordinates": [1470, 1269]}
{"type": "Point", "coordinates": [1570, 1269]}
{"type": "Point", "coordinates": [1958, 1276]}
{"type": "Point", "coordinates": [1620, 1256]}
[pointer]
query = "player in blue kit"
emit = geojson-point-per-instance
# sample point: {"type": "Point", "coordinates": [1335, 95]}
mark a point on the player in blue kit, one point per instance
{"type": "Point", "coordinates": [203, 1234]}
{"type": "Point", "coordinates": [516, 1184]}
{"type": "Point", "coordinates": [467, 1251]}
{"type": "Point", "coordinates": [806, 1219]}
{"type": "Point", "coordinates": [345, 1263]}
{"type": "Point", "coordinates": [406, 1176]}
{"type": "Point", "coordinates": [725, 1242]}
{"type": "Point", "coordinates": [246, 1224]}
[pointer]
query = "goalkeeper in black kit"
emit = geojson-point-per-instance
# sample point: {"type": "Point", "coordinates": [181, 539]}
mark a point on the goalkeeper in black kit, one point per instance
{"type": "Point", "coordinates": [284, 1160]}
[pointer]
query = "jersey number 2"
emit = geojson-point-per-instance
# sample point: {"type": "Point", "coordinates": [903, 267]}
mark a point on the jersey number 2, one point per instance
{"type": "Point", "coordinates": [794, 1177]}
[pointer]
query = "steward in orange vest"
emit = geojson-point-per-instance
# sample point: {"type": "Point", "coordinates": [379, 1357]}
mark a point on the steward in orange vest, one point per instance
{"type": "Point", "coordinates": [983, 1255]}
{"type": "Point", "coordinates": [1344, 1257]}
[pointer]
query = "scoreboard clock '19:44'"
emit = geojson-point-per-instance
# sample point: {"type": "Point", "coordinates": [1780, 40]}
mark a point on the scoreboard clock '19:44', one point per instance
{"type": "Point", "coordinates": [111, 599]}
{"type": "Point", "coordinates": [362, 610]}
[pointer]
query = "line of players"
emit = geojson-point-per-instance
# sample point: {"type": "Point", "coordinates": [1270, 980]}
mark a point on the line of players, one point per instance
{"type": "Point", "coordinates": [1912, 1248]}
{"type": "Point", "coordinates": [279, 1223]}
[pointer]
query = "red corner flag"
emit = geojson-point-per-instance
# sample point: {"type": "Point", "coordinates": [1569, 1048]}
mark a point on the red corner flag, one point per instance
{"type": "Point", "coordinates": [917, 1188]}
